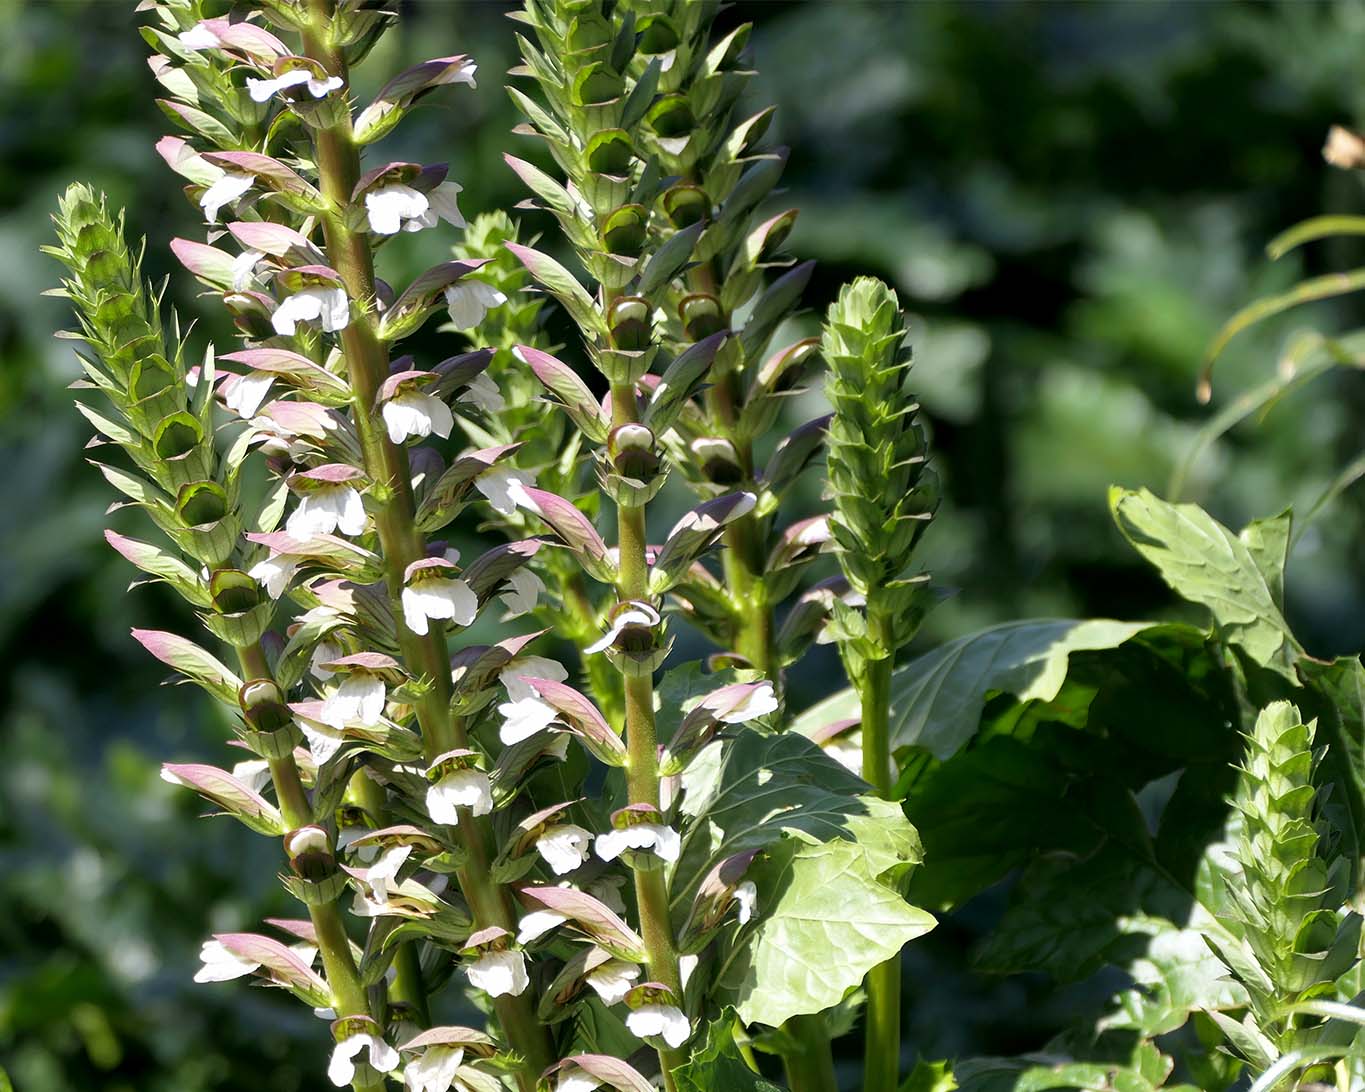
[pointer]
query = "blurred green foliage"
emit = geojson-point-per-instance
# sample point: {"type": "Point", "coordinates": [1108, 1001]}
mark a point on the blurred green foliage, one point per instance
{"type": "Point", "coordinates": [1071, 197]}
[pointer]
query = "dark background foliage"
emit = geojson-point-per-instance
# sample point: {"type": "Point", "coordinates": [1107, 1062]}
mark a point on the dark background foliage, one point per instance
{"type": "Point", "coordinates": [1070, 198]}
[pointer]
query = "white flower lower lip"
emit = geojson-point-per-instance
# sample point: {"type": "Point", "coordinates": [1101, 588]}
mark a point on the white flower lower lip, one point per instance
{"type": "Point", "coordinates": [665, 1021]}
{"type": "Point", "coordinates": [451, 600]}
{"type": "Point", "coordinates": [328, 306]}
{"type": "Point", "coordinates": [459, 789]}
{"type": "Point", "coordinates": [499, 973]}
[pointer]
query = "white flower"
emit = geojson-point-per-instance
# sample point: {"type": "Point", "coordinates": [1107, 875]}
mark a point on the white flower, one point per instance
{"type": "Point", "coordinates": [638, 614]}
{"type": "Point", "coordinates": [321, 303]}
{"type": "Point", "coordinates": [498, 973]}
{"type": "Point", "coordinates": [394, 208]}
{"type": "Point", "coordinates": [667, 1021]}
{"type": "Point", "coordinates": [247, 393]}
{"type": "Point", "coordinates": [607, 891]}
{"type": "Point", "coordinates": [522, 591]}
{"type": "Point", "coordinates": [330, 508]}
{"type": "Point", "coordinates": [254, 773]}
{"type": "Point", "coordinates": [359, 699]}
{"type": "Point", "coordinates": [469, 300]}
{"type": "Point", "coordinates": [220, 965]}
{"type": "Point", "coordinates": [341, 1071]}
{"type": "Point", "coordinates": [323, 740]}
{"type": "Point", "coordinates": [523, 719]}
{"type": "Point", "coordinates": [846, 752]}
{"type": "Point", "coordinates": [459, 789]}
{"type": "Point", "coordinates": [746, 896]}
{"type": "Point", "coordinates": [481, 391]}
{"type": "Point", "coordinates": [531, 667]}
{"type": "Point", "coordinates": [564, 847]}
{"type": "Point", "coordinates": [759, 702]}
{"type": "Point", "coordinates": [576, 1080]}
{"type": "Point", "coordinates": [505, 489]}
{"type": "Point", "coordinates": [261, 90]}
{"type": "Point", "coordinates": [415, 413]}
{"type": "Point", "coordinates": [324, 652]}
{"type": "Point", "coordinates": [199, 36]}
{"type": "Point", "coordinates": [613, 980]}
{"type": "Point", "coordinates": [382, 876]}
{"type": "Point", "coordinates": [686, 965]}
{"type": "Point", "coordinates": [655, 837]}
{"type": "Point", "coordinates": [437, 597]}
{"type": "Point", "coordinates": [223, 192]}
{"type": "Point", "coordinates": [244, 268]}
{"type": "Point", "coordinates": [537, 923]}
{"type": "Point", "coordinates": [274, 573]}
{"type": "Point", "coordinates": [443, 203]}
{"type": "Point", "coordinates": [434, 1070]}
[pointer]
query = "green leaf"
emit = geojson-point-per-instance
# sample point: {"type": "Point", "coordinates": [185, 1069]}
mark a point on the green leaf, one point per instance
{"type": "Point", "coordinates": [1235, 577]}
{"type": "Point", "coordinates": [825, 923]}
{"type": "Point", "coordinates": [1312, 229]}
{"type": "Point", "coordinates": [936, 700]}
{"type": "Point", "coordinates": [718, 1065]}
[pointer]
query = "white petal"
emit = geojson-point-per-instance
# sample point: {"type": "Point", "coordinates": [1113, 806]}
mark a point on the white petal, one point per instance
{"type": "Point", "coordinates": [389, 206]}
{"type": "Point", "coordinates": [499, 973]}
{"type": "Point", "coordinates": [274, 573]}
{"type": "Point", "coordinates": [223, 192]}
{"type": "Point", "coordinates": [302, 306]}
{"type": "Point", "coordinates": [248, 392]}
{"type": "Point", "coordinates": [686, 965]}
{"type": "Point", "coordinates": [254, 773]}
{"type": "Point", "coordinates": [523, 719]}
{"type": "Point", "coordinates": [351, 514]}
{"type": "Point", "coordinates": [746, 895]}
{"type": "Point", "coordinates": [505, 489]}
{"type": "Point", "coordinates": [359, 698]}
{"type": "Point", "coordinates": [220, 965]}
{"type": "Point", "coordinates": [537, 923]}
{"type": "Point", "coordinates": [342, 1067]}
{"type": "Point", "coordinates": [414, 617]}
{"type": "Point", "coordinates": [481, 391]}
{"type": "Point", "coordinates": [434, 1070]}
{"type": "Point", "coordinates": [759, 702]}
{"type": "Point", "coordinates": [532, 667]}
{"type": "Point", "coordinates": [613, 980]}
{"type": "Point", "coordinates": [320, 88]}
{"type": "Point", "coordinates": [468, 301]}
{"type": "Point", "coordinates": [564, 847]}
{"type": "Point", "coordinates": [442, 202]}
{"type": "Point", "coordinates": [667, 1021]}
{"type": "Point", "coordinates": [449, 599]}
{"type": "Point", "coordinates": [576, 1080]}
{"type": "Point", "coordinates": [382, 1056]}
{"type": "Point", "coordinates": [522, 593]}
{"type": "Point", "coordinates": [336, 310]}
{"type": "Point", "coordinates": [655, 837]}
{"type": "Point", "coordinates": [459, 789]}
{"type": "Point", "coordinates": [199, 36]}
{"type": "Point", "coordinates": [261, 90]}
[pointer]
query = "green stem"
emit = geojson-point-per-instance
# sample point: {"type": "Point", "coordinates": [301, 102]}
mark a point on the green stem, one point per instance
{"type": "Point", "coordinates": [881, 1055]}
{"type": "Point", "coordinates": [343, 978]}
{"type": "Point", "coordinates": [642, 769]}
{"type": "Point", "coordinates": [338, 161]}
{"type": "Point", "coordinates": [812, 1068]}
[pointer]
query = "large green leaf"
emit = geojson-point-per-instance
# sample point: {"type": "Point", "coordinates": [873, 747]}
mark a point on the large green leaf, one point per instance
{"type": "Point", "coordinates": [936, 700]}
{"type": "Point", "coordinates": [717, 1065]}
{"type": "Point", "coordinates": [829, 898]}
{"type": "Point", "coordinates": [1238, 578]}
{"type": "Point", "coordinates": [826, 922]}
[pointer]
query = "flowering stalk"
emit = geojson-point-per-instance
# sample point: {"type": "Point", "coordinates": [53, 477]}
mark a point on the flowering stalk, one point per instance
{"type": "Point", "coordinates": [884, 498]}
{"type": "Point", "coordinates": [156, 424]}
{"type": "Point", "coordinates": [401, 543]}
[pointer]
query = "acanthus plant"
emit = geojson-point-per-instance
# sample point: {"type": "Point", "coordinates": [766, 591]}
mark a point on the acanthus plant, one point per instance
{"type": "Point", "coordinates": [633, 882]}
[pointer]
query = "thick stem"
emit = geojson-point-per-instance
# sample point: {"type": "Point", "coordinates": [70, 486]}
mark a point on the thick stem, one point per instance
{"type": "Point", "coordinates": [811, 1069]}
{"type": "Point", "coordinates": [642, 769]}
{"type": "Point", "coordinates": [335, 948]}
{"type": "Point", "coordinates": [426, 656]}
{"type": "Point", "coordinates": [881, 1055]}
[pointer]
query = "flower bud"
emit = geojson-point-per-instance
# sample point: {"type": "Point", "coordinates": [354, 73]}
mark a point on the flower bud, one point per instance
{"type": "Point", "coordinates": [701, 315]}
{"type": "Point", "coordinates": [263, 705]}
{"type": "Point", "coordinates": [629, 321]}
{"type": "Point", "coordinates": [623, 234]}
{"type": "Point", "coordinates": [630, 448]}
{"type": "Point", "coordinates": [310, 853]}
{"type": "Point", "coordinates": [686, 204]}
{"type": "Point", "coordinates": [719, 460]}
